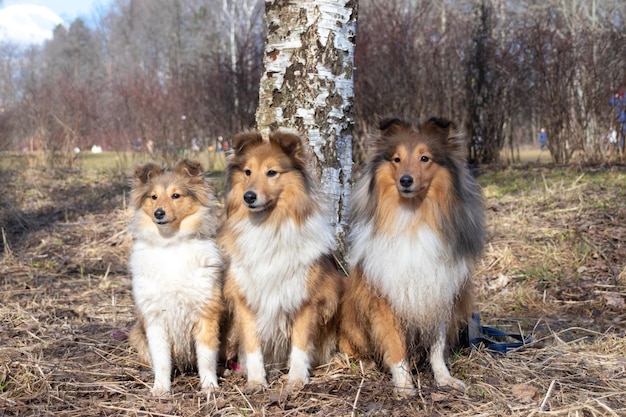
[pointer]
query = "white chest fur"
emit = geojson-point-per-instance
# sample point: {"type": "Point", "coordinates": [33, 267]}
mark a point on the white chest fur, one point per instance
{"type": "Point", "coordinates": [412, 269]}
{"type": "Point", "coordinates": [172, 283]}
{"type": "Point", "coordinates": [273, 266]}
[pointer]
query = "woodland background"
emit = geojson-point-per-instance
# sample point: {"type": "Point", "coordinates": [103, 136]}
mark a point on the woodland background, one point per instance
{"type": "Point", "coordinates": [169, 71]}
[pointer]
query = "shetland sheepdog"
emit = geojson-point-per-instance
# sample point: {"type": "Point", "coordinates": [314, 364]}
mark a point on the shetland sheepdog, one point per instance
{"type": "Point", "coordinates": [282, 286]}
{"type": "Point", "coordinates": [177, 273]}
{"type": "Point", "coordinates": [417, 228]}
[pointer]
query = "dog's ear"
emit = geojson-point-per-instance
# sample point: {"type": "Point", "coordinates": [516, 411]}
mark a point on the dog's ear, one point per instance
{"type": "Point", "coordinates": [439, 126]}
{"type": "Point", "coordinates": [144, 173]}
{"type": "Point", "coordinates": [192, 171]}
{"type": "Point", "coordinates": [243, 140]}
{"type": "Point", "coordinates": [391, 126]}
{"type": "Point", "coordinates": [381, 146]}
{"type": "Point", "coordinates": [188, 168]}
{"type": "Point", "coordinates": [289, 142]}
{"type": "Point", "coordinates": [447, 133]}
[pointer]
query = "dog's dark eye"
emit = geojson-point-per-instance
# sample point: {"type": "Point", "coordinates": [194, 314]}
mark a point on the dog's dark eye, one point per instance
{"type": "Point", "coordinates": [271, 173]}
{"type": "Point", "coordinates": [424, 158]}
{"type": "Point", "coordinates": [247, 172]}
{"type": "Point", "coordinates": [153, 196]}
{"type": "Point", "coordinates": [175, 196]}
{"type": "Point", "coordinates": [396, 160]}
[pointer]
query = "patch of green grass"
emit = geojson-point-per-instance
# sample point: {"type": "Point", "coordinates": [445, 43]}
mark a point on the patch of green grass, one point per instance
{"type": "Point", "coordinates": [110, 160]}
{"type": "Point", "coordinates": [120, 161]}
{"type": "Point", "coordinates": [498, 183]}
{"type": "Point", "coordinates": [541, 274]}
{"type": "Point", "coordinates": [479, 390]}
{"type": "Point", "coordinates": [44, 264]}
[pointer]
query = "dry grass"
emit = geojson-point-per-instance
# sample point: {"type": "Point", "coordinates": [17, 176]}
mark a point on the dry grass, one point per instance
{"type": "Point", "coordinates": [555, 268]}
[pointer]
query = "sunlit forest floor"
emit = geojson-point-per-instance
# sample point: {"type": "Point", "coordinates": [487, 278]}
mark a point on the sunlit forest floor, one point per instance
{"type": "Point", "coordinates": [554, 269]}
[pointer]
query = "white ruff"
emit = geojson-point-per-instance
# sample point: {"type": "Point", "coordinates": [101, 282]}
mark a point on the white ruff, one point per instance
{"type": "Point", "coordinates": [272, 269]}
{"type": "Point", "coordinates": [172, 283]}
{"type": "Point", "coordinates": [412, 270]}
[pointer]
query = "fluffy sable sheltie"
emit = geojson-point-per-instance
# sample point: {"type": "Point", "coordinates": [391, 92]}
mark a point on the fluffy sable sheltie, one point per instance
{"type": "Point", "coordinates": [177, 273]}
{"type": "Point", "coordinates": [282, 286]}
{"type": "Point", "coordinates": [417, 227]}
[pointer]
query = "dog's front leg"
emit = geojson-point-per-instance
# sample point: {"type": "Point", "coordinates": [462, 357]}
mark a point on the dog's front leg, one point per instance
{"type": "Point", "coordinates": [161, 357]}
{"type": "Point", "coordinates": [299, 360]}
{"type": "Point", "coordinates": [391, 341]}
{"type": "Point", "coordinates": [207, 345]}
{"type": "Point", "coordinates": [251, 346]}
{"type": "Point", "coordinates": [438, 364]}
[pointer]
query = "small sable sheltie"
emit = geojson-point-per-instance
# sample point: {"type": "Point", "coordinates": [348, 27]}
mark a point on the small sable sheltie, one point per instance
{"type": "Point", "coordinates": [177, 273]}
{"type": "Point", "coordinates": [417, 228]}
{"type": "Point", "coordinates": [282, 286]}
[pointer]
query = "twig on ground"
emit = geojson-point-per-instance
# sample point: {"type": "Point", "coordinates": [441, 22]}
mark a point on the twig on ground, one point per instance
{"type": "Point", "coordinates": [542, 407]}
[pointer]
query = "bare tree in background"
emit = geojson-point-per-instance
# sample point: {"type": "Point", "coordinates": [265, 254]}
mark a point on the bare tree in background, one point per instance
{"type": "Point", "coordinates": [307, 85]}
{"type": "Point", "coordinates": [182, 70]}
{"type": "Point", "coordinates": [9, 118]}
{"type": "Point", "coordinates": [502, 69]}
{"type": "Point", "coordinates": [488, 91]}
{"type": "Point", "coordinates": [409, 62]}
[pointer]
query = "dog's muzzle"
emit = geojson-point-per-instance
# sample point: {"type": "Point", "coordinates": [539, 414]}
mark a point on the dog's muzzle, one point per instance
{"type": "Point", "coordinates": [407, 184]}
{"type": "Point", "coordinates": [160, 216]}
{"type": "Point", "coordinates": [250, 198]}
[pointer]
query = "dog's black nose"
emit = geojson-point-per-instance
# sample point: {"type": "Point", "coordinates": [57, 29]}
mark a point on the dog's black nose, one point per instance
{"type": "Point", "coordinates": [249, 197]}
{"type": "Point", "coordinates": [406, 180]}
{"type": "Point", "coordinates": [159, 214]}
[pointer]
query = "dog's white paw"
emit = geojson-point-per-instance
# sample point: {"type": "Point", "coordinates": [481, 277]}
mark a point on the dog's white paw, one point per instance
{"type": "Point", "coordinates": [159, 390]}
{"type": "Point", "coordinates": [209, 385]}
{"type": "Point", "coordinates": [298, 370]}
{"type": "Point", "coordinates": [255, 368]}
{"type": "Point", "coordinates": [253, 386]}
{"type": "Point", "coordinates": [402, 379]}
{"type": "Point", "coordinates": [405, 391]}
{"type": "Point", "coordinates": [450, 381]}
{"type": "Point", "coordinates": [296, 384]}
{"type": "Point", "coordinates": [442, 375]}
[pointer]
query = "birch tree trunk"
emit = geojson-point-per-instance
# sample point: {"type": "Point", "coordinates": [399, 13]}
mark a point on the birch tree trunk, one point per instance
{"type": "Point", "coordinates": [307, 84]}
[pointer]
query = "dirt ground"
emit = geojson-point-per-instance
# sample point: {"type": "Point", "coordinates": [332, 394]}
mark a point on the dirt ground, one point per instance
{"type": "Point", "coordinates": [554, 270]}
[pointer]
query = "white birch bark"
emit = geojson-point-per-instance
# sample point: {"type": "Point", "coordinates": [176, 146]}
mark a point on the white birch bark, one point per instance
{"type": "Point", "coordinates": [307, 84]}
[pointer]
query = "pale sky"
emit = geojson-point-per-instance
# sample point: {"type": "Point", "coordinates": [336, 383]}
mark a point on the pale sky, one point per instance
{"type": "Point", "coordinates": [32, 21]}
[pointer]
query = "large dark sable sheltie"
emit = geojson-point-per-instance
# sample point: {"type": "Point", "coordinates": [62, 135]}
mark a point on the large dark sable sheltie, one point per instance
{"type": "Point", "coordinates": [282, 287]}
{"type": "Point", "coordinates": [417, 228]}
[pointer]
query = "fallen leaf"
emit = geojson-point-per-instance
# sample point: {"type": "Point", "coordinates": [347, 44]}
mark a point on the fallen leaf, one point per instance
{"type": "Point", "coordinates": [439, 396]}
{"type": "Point", "coordinates": [492, 380]}
{"type": "Point", "coordinates": [525, 393]}
{"type": "Point", "coordinates": [613, 300]}
{"type": "Point", "coordinates": [119, 334]}
{"type": "Point", "coordinates": [499, 282]}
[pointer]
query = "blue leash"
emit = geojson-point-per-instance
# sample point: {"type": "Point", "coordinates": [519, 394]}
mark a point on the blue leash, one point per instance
{"type": "Point", "coordinates": [488, 337]}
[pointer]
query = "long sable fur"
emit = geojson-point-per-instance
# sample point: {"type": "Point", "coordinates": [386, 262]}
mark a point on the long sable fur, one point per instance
{"type": "Point", "coordinates": [462, 221]}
